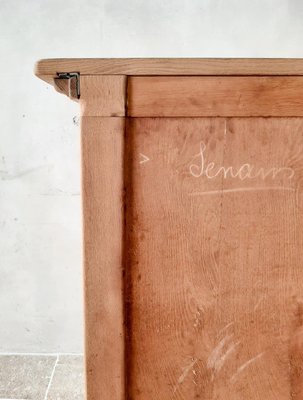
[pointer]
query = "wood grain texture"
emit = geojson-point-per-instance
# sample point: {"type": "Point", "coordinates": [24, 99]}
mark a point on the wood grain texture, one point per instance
{"type": "Point", "coordinates": [193, 237]}
{"type": "Point", "coordinates": [102, 158]}
{"type": "Point", "coordinates": [296, 356]}
{"type": "Point", "coordinates": [214, 96]}
{"type": "Point", "coordinates": [215, 258]}
{"type": "Point", "coordinates": [48, 68]}
{"type": "Point", "coordinates": [103, 96]}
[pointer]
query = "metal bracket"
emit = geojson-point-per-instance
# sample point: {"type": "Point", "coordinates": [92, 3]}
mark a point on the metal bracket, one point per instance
{"type": "Point", "coordinates": [73, 87]}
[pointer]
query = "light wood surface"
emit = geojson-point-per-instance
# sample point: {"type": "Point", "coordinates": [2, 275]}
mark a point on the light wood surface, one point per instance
{"type": "Point", "coordinates": [47, 69]}
{"type": "Point", "coordinates": [103, 96]}
{"type": "Point", "coordinates": [193, 237]}
{"type": "Point", "coordinates": [296, 356]}
{"type": "Point", "coordinates": [215, 96]}
{"type": "Point", "coordinates": [215, 261]}
{"type": "Point", "coordinates": [102, 159]}
{"type": "Point", "coordinates": [171, 66]}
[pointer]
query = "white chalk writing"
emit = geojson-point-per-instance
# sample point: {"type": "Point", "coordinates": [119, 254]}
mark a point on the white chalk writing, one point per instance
{"type": "Point", "coordinates": [201, 167]}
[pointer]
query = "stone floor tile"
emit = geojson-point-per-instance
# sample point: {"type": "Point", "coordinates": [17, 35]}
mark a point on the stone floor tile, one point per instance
{"type": "Point", "coordinates": [25, 377]}
{"type": "Point", "coordinates": [68, 379]}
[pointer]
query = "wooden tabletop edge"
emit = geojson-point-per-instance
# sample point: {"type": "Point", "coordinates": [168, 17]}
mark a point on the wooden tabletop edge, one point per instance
{"type": "Point", "coordinates": [170, 66]}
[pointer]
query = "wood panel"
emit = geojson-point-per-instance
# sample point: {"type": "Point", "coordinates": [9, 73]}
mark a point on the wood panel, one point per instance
{"type": "Point", "coordinates": [215, 96]}
{"type": "Point", "coordinates": [102, 159]}
{"type": "Point", "coordinates": [214, 295]}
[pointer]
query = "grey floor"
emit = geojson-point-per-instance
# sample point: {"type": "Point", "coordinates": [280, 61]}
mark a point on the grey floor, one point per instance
{"type": "Point", "coordinates": [41, 377]}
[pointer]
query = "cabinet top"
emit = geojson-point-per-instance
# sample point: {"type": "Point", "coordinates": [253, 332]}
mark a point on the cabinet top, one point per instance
{"type": "Point", "coordinates": [49, 68]}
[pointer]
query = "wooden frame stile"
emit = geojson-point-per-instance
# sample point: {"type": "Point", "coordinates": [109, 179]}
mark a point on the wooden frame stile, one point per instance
{"type": "Point", "coordinates": [102, 130]}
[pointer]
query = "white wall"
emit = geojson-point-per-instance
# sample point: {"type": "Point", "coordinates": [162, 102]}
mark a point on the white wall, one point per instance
{"type": "Point", "coordinates": [40, 209]}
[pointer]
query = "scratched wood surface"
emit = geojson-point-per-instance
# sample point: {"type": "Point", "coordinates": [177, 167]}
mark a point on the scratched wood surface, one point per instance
{"type": "Point", "coordinates": [214, 258]}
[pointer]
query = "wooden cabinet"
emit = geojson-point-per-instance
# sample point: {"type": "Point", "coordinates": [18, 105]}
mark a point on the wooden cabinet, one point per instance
{"type": "Point", "coordinates": [193, 225]}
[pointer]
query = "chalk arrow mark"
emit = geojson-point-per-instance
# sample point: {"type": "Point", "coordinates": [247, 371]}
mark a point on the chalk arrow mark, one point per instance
{"type": "Point", "coordinates": [144, 159]}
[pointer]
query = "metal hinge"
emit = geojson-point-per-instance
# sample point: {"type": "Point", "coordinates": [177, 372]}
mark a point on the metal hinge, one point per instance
{"type": "Point", "coordinates": [73, 83]}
